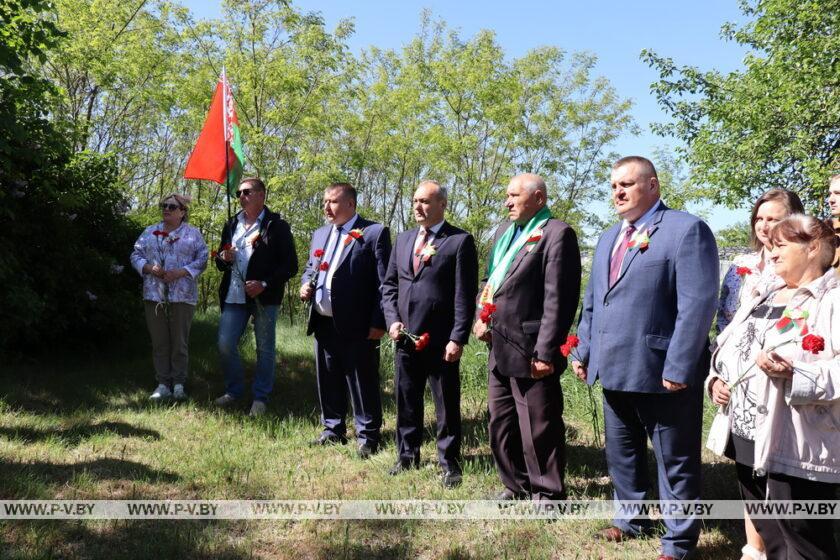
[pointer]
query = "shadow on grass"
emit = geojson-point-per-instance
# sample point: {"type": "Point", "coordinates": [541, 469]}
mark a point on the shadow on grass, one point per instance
{"type": "Point", "coordinates": [126, 540]}
{"type": "Point", "coordinates": [19, 480]}
{"type": "Point", "coordinates": [122, 376]}
{"type": "Point", "coordinates": [364, 551]}
{"type": "Point", "coordinates": [74, 435]}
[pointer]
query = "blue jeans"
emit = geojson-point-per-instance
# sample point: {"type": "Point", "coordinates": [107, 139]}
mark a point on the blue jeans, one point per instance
{"type": "Point", "coordinates": [231, 327]}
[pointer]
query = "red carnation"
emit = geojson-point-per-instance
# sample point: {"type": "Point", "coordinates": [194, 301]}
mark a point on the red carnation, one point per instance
{"type": "Point", "coordinates": [325, 266]}
{"type": "Point", "coordinates": [421, 342]}
{"type": "Point", "coordinates": [813, 343]}
{"type": "Point", "coordinates": [571, 343]}
{"type": "Point", "coordinates": [225, 247]}
{"type": "Point", "coordinates": [318, 253]}
{"type": "Point", "coordinates": [743, 271]}
{"type": "Point", "coordinates": [160, 232]}
{"type": "Point", "coordinates": [486, 312]}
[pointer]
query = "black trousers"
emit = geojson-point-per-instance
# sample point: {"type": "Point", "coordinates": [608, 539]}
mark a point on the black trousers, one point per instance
{"type": "Point", "coordinates": [527, 434]}
{"type": "Point", "coordinates": [412, 371]}
{"type": "Point", "coordinates": [790, 539]}
{"type": "Point", "coordinates": [344, 366]}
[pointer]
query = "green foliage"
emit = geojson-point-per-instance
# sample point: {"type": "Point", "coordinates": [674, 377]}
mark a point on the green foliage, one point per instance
{"type": "Point", "coordinates": [138, 84]}
{"type": "Point", "coordinates": [774, 124]}
{"type": "Point", "coordinates": [61, 217]}
{"type": "Point", "coordinates": [736, 235]}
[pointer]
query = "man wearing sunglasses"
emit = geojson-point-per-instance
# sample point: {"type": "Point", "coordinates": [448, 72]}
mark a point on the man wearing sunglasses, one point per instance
{"type": "Point", "coordinates": [257, 256]}
{"type": "Point", "coordinates": [347, 263]}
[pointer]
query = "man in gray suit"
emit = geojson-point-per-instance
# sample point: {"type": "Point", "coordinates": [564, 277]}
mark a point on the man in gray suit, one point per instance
{"type": "Point", "coordinates": [644, 333]}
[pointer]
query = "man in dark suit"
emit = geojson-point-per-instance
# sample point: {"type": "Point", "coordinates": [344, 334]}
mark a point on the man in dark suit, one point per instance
{"type": "Point", "coordinates": [644, 333]}
{"type": "Point", "coordinates": [257, 256]}
{"type": "Point", "coordinates": [347, 262]}
{"type": "Point", "coordinates": [430, 287]}
{"type": "Point", "coordinates": [534, 282]}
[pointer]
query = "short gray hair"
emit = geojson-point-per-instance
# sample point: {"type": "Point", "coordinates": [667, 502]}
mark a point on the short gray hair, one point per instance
{"type": "Point", "coordinates": [532, 182]}
{"type": "Point", "coordinates": [443, 194]}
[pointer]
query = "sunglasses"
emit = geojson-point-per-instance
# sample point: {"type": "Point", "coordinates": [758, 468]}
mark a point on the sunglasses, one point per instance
{"type": "Point", "coordinates": [244, 192]}
{"type": "Point", "coordinates": [170, 207]}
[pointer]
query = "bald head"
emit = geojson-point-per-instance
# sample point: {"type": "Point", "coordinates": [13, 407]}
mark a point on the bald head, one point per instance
{"type": "Point", "coordinates": [526, 195]}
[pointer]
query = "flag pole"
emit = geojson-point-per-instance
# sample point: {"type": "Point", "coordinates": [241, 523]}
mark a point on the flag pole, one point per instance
{"type": "Point", "coordinates": [227, 178]}
{"type": "Point", "coordinates": [227, 139]}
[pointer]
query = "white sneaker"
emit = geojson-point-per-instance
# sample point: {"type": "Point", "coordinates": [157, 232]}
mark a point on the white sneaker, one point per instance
{"type": "Point", "coordinates": [257, 409]}
{"type": "Point", "coordinates": [754, 553]}
{"type": "Point", "coordinates": [225, 400]}
{"type": "Point", "coordinates": [162, 392]}
{"type": "Point", "coordinates": [178, 392]}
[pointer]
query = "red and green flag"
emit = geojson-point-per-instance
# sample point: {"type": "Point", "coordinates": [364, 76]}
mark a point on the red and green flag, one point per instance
{"type": "Point", "coordinates": [218, 154]}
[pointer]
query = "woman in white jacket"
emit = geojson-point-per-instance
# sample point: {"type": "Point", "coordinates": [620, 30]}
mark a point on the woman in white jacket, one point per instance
{"type": "Point", "coordinates": [776, 375]}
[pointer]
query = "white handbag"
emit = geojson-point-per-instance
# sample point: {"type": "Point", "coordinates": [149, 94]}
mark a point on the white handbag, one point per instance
{"type": "Point", "coordinates": [719, 432]}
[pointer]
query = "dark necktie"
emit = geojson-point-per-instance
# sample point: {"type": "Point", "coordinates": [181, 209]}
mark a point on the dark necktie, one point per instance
{"type": "Point", "coordinates": [618, 256]}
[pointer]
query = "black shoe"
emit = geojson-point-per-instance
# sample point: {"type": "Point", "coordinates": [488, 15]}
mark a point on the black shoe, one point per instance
{"type": "Point", "coordinates": [508, 495]}
{"type": "Point", "coordinates": [328, 439]}
{"type": "Point", "coordinates": [365, 450]}
{"type": "Point", "coordinates": [402, 466]}
{"type": "Point", "coordinates": [451, 479]}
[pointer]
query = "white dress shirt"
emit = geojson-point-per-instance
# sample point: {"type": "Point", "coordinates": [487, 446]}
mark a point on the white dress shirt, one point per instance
{"type": "Point", "coordinates": [431, 233]}
{"type": "Point", "coordinates": [323, 284]}
{"type": "Point", "coordinates": [640, 225]}
{"type": "Point", "coordinates": [242, 240]}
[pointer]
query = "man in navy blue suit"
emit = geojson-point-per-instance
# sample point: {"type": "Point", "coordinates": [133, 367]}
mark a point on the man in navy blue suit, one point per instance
{"type": "Point", "coordinates": [430, 287]}
{"type": "Point", "coordinates": [644, 333]}
{"type": "Point", "coordinates": [347, 262]}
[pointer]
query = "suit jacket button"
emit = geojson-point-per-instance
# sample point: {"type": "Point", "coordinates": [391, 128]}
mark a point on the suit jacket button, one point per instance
{"type": "Point", "coordinates": [606, 304]}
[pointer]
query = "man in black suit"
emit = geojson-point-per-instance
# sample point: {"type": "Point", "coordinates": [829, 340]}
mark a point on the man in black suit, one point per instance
{"type": "Point", "coordinates": [534, 282]}
{"type": "Point", "coordinates": [257, 256]}
{"type": "Point", "coordinates": [347, 262]}
{"type": "Point", "coordinates": [430, 287]}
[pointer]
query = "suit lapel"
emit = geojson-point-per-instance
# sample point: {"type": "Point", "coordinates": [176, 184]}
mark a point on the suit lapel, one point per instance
{"type": "Point", "coordinates": [436, 242]}
{"type": "Point", "coordinates": [322, 239]}
{"type": "Point", "coordinates": [632, 253]}
{"type": "Point", "coordinates": [405, 252]}
{"type": "Point", "coordinates": [361, 224]}
{"type": "Point", "coordinates": [605, 256]}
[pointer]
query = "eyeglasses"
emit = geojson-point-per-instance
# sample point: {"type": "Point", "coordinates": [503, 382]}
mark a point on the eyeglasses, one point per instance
{"type": "Point", "coordinates": [244, 192]}
{"type": "Point", "coordinates": [170, 207]}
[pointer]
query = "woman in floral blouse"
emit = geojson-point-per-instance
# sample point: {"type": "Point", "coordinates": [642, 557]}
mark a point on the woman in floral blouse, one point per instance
{"type": "Point", "coordinates": [170, 255]}
{"type": "Point", "coordinates": [747, 273]}
{"type": "Point", "coordinates": [750, 270]}
{"type": "Point", "coordinates": [776, 375]}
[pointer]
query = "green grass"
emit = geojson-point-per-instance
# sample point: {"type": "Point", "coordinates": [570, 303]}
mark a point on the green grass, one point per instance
{"type": "Point", "coordinates": [81, 427]}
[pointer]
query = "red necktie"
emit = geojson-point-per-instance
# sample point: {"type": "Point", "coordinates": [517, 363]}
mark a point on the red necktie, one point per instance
{"type": "Point", "coordinates": [618, 256]}
{"type": "Point", "coordinates": [418, 248]}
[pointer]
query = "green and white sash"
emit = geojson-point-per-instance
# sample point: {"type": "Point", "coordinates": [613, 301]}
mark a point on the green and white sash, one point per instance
{"type": "Point", "coordinates": [504, 252]}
